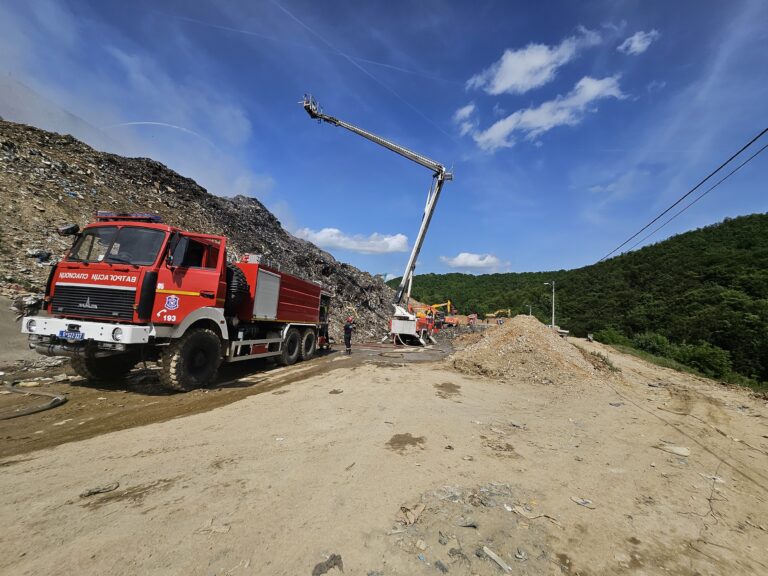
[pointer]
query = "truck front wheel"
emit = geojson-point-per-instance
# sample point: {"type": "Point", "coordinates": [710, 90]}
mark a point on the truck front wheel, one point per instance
{"type": "Point", "coordinates": [291, 348]}
{"type": "Point", "coordinates": [107, 368]}
{"type": "Point", "coordinates": [191, 361]}
{"type": "Point", "coordinates": [308, 344]}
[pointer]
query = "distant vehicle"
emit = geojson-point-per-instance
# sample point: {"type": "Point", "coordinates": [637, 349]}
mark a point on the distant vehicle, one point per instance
{"type": "Point", "coordinates": [133, 288]}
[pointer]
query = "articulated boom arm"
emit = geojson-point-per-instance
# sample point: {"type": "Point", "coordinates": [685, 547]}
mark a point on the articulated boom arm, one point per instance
{"type": "Point", "coordinates": [440, 176]}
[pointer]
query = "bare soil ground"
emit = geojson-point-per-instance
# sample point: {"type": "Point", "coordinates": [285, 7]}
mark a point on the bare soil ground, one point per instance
{"type": "Point", "coordinates": [384, 466]}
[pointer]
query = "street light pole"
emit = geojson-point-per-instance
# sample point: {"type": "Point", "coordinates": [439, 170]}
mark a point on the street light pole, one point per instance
{"type": "Point", "coordinates": [553, 301]}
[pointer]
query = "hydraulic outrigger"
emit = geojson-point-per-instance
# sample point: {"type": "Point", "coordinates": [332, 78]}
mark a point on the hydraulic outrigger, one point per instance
{"type": "Point", "coordinates": [403, 323]}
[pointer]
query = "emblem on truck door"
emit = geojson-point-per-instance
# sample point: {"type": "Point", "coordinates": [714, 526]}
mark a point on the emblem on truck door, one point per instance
{"type": "Point", "coordinates": [87, 304]}
{"type": "Point", "coordinates": [171, 302]}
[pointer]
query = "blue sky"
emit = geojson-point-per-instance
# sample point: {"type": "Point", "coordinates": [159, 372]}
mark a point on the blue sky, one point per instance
{"type": "Point", "coordinates": [568, 125]}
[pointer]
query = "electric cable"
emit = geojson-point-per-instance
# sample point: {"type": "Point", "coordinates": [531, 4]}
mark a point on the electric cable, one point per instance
{"type": "Point", "coordinates": [723, 179]}
{"type": "Point", "coordinates": [684, 196]}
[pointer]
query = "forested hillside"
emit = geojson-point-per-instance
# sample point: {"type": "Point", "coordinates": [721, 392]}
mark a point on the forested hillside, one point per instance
{"type": "Point", "coordinates": [709, 285]}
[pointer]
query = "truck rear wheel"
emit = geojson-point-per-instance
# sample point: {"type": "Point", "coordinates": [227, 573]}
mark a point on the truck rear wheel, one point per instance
{"type": "Point", "coordinates": [191, 361]}
{"type": "Point", "coordinates": [291, 348]}
{"type": "Point", "coordinates": [308, 344]}
{"type": "Point", "coordinates": [107, 368]}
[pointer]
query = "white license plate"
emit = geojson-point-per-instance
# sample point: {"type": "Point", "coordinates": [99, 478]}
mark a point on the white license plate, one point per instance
{"type": "Point", "coordinates": [67, 335]}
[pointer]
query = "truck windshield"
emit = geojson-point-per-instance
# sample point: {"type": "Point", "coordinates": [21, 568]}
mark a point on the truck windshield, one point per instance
{"type": "Point", "coordinates": [126, 245]}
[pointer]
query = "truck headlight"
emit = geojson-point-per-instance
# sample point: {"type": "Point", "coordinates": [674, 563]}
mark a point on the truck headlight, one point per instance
{"type": "Point", "coordinates": [117, 334]}
{"type": "Point", "coordinates": [31, 325]}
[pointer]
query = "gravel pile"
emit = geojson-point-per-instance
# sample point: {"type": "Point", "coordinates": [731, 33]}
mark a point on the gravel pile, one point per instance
{"type": "Point", "coordinates": [48, 179]}
{"type": "Point", "coordinates": [521, 348]}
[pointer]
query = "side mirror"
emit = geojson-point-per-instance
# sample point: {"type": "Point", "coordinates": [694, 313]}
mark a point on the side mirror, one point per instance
{"type": "Point", "coordinates": [68, 230]}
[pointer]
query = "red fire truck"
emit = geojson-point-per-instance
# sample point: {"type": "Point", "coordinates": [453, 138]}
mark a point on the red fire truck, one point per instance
{"type": "Point", "coordinates": [133, 288]}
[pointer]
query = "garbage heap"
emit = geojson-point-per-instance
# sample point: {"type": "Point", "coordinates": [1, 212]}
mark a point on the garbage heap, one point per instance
{"type": "Point", "coordinates": [521, 349]}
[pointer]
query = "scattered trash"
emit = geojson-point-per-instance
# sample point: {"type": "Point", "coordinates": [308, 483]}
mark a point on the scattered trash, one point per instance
{"type": "Point", "coordinates": [583, 502]}
{"type": "Point", "coordinates": [279, 439]}
{"type": "Point", "coordinates": [28, 384]}
{"type": "Point", "coordinates": [422, 557]}
{"type": "Point", "coordinates": [350, 466]}
{"type": "Point", "coordinates": [507, 507]}
{"type": "Point", "coordinates": [496, 558]}
{"type": "Point", "coordinates": [468, 523]}
{"type": "Point", "coordinates": [440, 566]}
{"type": "Point", "coordinates": [100, 489]}
{"type": "Point", "coordinates": [421, 545]}
{"type": "Point", "coordinates": [335, 391]}
{"type": "Point", "coordinates": [334, 561]}
{"type": "Point", "coordinates": [616, 404]}
{"type": "Point", "coordinates": [677, 450]}
{"type": "Point", "coordinates": [449, 447]}
{"type": "Point", "coordinates": [531, 516]}
{"type": "Point", "coordinates": [442, 538]}
{"type": "Point", "coordinates": [63, 422]}
{"type": "Point", "coordinates": [716, 479]}
{"type": "Point", "coordinates": [61, 378]}
{"type": "Point", "coordinates": [101, 398]}
{"type": "Point", "coordinates": [578, 458]}
{"type": "Point", "coordinates": [468, 458]}
{"type": "Point", "coordinates": [457, 554]}
{"type": "Point", "coordinates": [521, 555]}
{"type": "Point", "coordinates": [408, 516]}
{"type": "Point", "coordinates": [518, 426]}
{"type": "Point", "coordinates": [211, 528]}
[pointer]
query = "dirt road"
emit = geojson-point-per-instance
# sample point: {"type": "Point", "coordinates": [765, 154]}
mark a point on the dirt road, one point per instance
{"type": "Point", "coordinates": [646, 471]}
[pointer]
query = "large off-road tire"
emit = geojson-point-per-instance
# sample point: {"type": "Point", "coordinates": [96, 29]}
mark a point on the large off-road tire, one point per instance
{"type": "Point", "coordinates": [101, 369]}
{"type": "Point", "coordinates": [308, 344]}
{"type": "Point", "coordinates": [237, 289]}
{"type": "Point", "coordinates": [291, 348]}
{"type": "Point", "coordinates": [191, 361]}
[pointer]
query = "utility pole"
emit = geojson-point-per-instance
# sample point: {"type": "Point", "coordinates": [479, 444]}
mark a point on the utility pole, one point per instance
{"type": "Point", "coordinates": [529, 309]}
{"type": "Point", "coordinates": [553, 301]}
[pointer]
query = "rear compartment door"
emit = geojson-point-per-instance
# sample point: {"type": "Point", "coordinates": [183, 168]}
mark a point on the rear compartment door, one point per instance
{"type": "Point", "coordinates": [267, 295]}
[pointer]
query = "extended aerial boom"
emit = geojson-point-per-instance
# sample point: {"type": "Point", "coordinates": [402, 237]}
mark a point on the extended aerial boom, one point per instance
{"type": "Point", "coordinates": [439, 177]}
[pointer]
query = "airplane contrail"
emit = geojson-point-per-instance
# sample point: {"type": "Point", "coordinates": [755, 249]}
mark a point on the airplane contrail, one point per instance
{"type": "Point", "coordinates": [164, 125]}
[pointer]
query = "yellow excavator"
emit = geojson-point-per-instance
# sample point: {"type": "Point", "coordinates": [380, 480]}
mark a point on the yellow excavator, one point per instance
{"type": "Point", "coordinates": [501, 313]}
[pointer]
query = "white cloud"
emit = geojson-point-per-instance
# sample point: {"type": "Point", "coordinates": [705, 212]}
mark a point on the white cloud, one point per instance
{"type": "Point", "coordinates": [565, 110]}
{"type": "Point", "coordinates": [464, 112]}
{"type": "Point", "coordinates": [374, 244]}
{"type": "Point", "coordinates": [464, 119]}
{"type": "Point", "coordinates": [475, 262]}
{"type": "Point", "coordinates": [519, 71]}
{"type": "Point", "coordinates": [638, 42]}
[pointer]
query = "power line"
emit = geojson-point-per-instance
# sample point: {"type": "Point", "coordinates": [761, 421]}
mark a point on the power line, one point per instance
{"type": "Point", "coordinates": [723, 179]}
{"type": "Point", "coordinates": [684, 196]}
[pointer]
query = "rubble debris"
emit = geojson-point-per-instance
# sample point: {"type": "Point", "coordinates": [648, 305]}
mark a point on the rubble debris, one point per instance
{"type": "Point", "coordinates": [334, 561]}
{"type": "Point", "coordinates": [496, 558]}
{"type": "Point", "coordinates": [104, 488]}
{"type": "Point", "coordinates": [676, 450]}
{"type": "Point", "coordinates": [524, 348]}
{"type": "Point", "coordinates": [583, 502]}
{"type": "Point", "coordinates": [408, 516]}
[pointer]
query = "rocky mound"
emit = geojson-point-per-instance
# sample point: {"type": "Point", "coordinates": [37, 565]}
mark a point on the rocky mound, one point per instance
{"type": "Point", "coordinates": [47, 179]}
{"type": "Point", "coordinates": [521, 348]}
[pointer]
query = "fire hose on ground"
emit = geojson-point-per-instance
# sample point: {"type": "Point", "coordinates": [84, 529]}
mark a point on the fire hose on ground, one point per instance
{"type": "Point", "coordinates": [56, 400]}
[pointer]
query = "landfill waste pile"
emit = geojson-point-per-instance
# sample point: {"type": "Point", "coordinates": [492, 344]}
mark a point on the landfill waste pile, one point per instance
{"type": "Point", "coordinates": [48, 179]}
{"type": "Point", "coordinates": [521, 348]}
